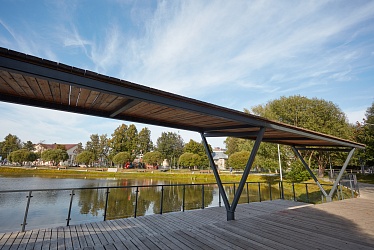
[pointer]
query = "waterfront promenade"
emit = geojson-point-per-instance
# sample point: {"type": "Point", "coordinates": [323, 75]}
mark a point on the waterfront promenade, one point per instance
{"type": "Point", "coordinates": [279, 224]}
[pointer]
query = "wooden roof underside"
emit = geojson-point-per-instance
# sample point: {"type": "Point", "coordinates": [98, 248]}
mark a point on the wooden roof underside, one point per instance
{"type": "Point", "coordinates": [32, 81]}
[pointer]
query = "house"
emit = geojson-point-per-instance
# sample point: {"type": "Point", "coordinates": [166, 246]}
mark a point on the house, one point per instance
{"type": "Point", "coordinates": [71, 149]}
{"type": "Point", "coordinates": [220, 158]}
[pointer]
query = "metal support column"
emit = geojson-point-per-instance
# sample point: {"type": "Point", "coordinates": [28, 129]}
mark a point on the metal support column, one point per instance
{"type": "Point", "coordinates": [310, 171]}
{"type": "Point", "coordinates": [218, 179]}
{"type": "Point", "coordinates": [246, 172]}
{"type": "Point", "coordinates": [329, 197]}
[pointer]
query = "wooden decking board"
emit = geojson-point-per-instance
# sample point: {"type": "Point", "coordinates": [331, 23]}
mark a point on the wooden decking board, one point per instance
{"type": "Point", "coordinates": [127, 229]}
{"type": "Point", "coordinates": [95, 238]}
{"type": "Point", "coordinates": [135, 226]}
{"type": "Point", "coordinates": [177, 236]}
{"type": "Point", "coordinates": [116, 232]}
{"type": "Point", "coordinates": [217, 239]}
{"type": "Point", "coordinates": [281, 235]}
{"type": "Point", "coordinates": [68, 241]}
{"type": "Point", "coordinates": [103, 236]}
{"type": "Point", "coordinates": [255, 237]}
{"type": "Point", "coordinates": [74, 237]}
{"type": "Point", "coordinates": [53, 241]}
{"type": "Point", "coordinates": [203, 240]}
{"type": "Point", "coordinates": [119, 226]}
{"type": "Point", "coordinates": [60, 238]}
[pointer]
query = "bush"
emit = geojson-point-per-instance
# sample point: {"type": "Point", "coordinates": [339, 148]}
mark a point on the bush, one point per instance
{"type": "Point", "coordinates": [298, 173]}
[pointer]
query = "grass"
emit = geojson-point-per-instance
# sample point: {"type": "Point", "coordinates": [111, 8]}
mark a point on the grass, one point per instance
{"type": "Point", "coordinates": [365, 178]}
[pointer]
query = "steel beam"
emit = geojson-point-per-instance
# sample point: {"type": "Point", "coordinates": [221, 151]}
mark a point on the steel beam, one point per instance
{"type": "Point", "coordinates": [329, 197]}
{"type": "Point", "coordinates": [309, 170]}
{"type": "Point", "coordinates": [216, 175]}
{"type": "Point", "coordinates": [243, 180]}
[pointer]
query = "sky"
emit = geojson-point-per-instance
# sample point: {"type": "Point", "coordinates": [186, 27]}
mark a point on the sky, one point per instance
{"type": "Point", "coordinates": [235, 54]}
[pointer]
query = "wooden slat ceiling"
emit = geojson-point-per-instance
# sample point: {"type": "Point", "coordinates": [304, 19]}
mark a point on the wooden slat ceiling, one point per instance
{"type": "Point", "coordinates": [32, 81]}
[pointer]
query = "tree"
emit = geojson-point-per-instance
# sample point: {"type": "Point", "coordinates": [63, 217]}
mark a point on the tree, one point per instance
{"type": "Point", "coordinates": [239, 160]}
{"type": "Point", "coordinates": [11, 143]}
{"type": "Point", "coordinates": [22, 155]}
{"type": "Point", "coordinates": [170, 145]}
{"type": "Point", "coordinates": [55, 156]}
{"type": "Point", "coordinates": [124, 139]}
{"type": "Point", "coordinates": [190, 160]}
{"type": "Point", "coordinates": [85, 157]}
{"type": "Point", "coordinates": [314, 114]}
{"type": "Point", "coordinates": [28, 146]}
{"type": "Point", "coordinates": [144, 141]}
{"type": "Point", "coordinates": [121, 158]}
{"type": "Point", "coordinates": [153, 158]}
{"type": "Point", "coordinates": [99, 146]}
{"type": "Point", "coordinates": [365, 135]}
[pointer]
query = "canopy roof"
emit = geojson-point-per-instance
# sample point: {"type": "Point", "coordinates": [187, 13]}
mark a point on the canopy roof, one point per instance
{"type": "Point", "coordinates": [32, 81]}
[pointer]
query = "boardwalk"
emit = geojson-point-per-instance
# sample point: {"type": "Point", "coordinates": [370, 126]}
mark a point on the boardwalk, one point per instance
{"type": "Point", "coordinates": [280, 224]}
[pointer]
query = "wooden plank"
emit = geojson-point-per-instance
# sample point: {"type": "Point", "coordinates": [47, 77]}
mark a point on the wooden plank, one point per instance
{"type": "Point", "coordinates": [91, 99]}
{"type": "Point", "coordinates": [82, 97]}
{"type": "Point", "coordinates": [23, 84]}
{"type": "Point", "coordinates": [103, 239]}
{"type": "Point", "coordinates": [31, 81]}
{"type": "Point", "coordinates": [60, 238]}
{"type": "Point", "coordinates": [39, 240]}
{"type": "Point", "coordinates": [82, 239]}
{"type": "Point", "coordinates": [25, 239]}
{"type": "Point", "coordinates": [32, 240]}
{"type": "Point", "coordinates": [74, 237]}
{"type": "Point", "coordinates": [8, 84]}
{"type": "Point", "coordinates": [68, 238]}
{"type": "Point", "coordinates": [55, 90]}
{"type": "Point", "coordinates": [46, 239]}
{"type": "Point", "coordinates": [87, 235]}
{"type": "Point", "coordinates": [93, 234]}
{"type": "Point", "coordinates": [46, 91]}
{"type": "Point", "coordinates": [53, 243]}
{"type": "Point", "coordinates": [64, 92]}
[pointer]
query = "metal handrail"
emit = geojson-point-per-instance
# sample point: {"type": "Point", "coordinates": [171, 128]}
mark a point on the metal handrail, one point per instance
{"type": "Point", "coordinates": [107, 188]}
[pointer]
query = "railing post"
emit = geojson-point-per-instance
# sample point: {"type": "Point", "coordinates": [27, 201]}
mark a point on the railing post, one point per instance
{"type": "Point", "coordinates": [271, 198]}
{"type": "Point", "coordinates": [184, 199]}
{"type": "Point", "coordinates": [136, 200]}
{"type": "Point", "coordinates": [351, 186]}
{"type": "Point", "coordinates": [293, 191]}
{"type": "Point", "coordinates": [259, 191]}
{"type": "Point", "coordinates": [219, 198]}
{"type": "Point", "coordinates": [341, 192]}
{"type": "Point", "coordinates": [280, 192]}
{"type": "Point", "coordinates": [71, 202]}
{"type": "Point", "coordinates": [247, 193]}
{"type": "Point", "coordinates": [234, 189]}
{"type": "Point", "coordinates": [106, 202]}
{"type": "Point", "coordinates": [282, 187]}
{"type": "Point", "coordinates": [306, 190]}
{"type": "Point", "coordinates": [202, 197]}
{"type": "Point", "coordinates": [26, 212]}
{"type": "Point", "coordinates": [162, 198]}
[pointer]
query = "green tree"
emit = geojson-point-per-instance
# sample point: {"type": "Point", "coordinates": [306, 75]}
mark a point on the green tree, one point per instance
{"type": "Point", "coordinates": [121, 158]}
{"type": "Point", "coordinates": [298, 173]}
{"type": "Point", "coordinates": [365, 135]}
{"type": "Point", "coordinates": [190, 160]}
{"type": "Point", "coordinates": [314, 114]}
{"type": "Point", "coordinates": [22, 155]}
{"type": "Point", "coordinates": [55, 156]}
{"type": "Point", "coordinates": [144, 141]}
{"type": "Point", "coordinates": [85, 157]}
{"type": "Point", "coordinates": [239, 160]}
{"type": "Point", "coordinates": [153, 158]}
{"type": "Point", "coordinates": [124, 139]}
{"type": "Point", "coordinates": [170, 145]}
{"type": "Point", "coordinates": [99, 146]}
{"type": "Point", "coordinates": [11, 143]}
{"type": "Point", "coordinates": [28, 146]}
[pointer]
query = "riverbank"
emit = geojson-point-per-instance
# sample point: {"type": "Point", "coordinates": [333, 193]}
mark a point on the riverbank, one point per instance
{"type": "Point", "coordinates": [200, 176]}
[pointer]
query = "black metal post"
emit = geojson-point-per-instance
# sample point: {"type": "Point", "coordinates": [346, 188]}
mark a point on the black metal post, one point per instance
{"type": "Point", "coordinates": [162, 198]}
{"type": "Point", "coordinates": [219, 198]}
{"type": "Point", "coordinates": [202, 197]}
{"type": "Point", "coordinates": [247, 193]}
{"type": "Point", "coordinates": [282, 190]}
{"type": "Point", "coordinates": [184, 197]}
{"type": "Point", "coordinates": [136, 201]}
{"type": "Point", "coordinates": [270, 191]}
{"type": "Point", "coordinates": [26, 211]}
{"type": "Point", "coordinates": [259, 191]}
{"type": "Point", "coordinates": [234, 189]}
{"type": "Point", "coordinates": [307, 193]}
{"type": "Point", "coordinates": [106, 202]}
{"type": "Point", "coordinates": [293, 191]}
{"type": "Point", "coordinates": [71, 203]}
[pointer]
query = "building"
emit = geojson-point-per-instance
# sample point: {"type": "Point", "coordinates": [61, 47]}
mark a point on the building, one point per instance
{"type": "Point", "coordinates": [220, 158]}
{"type": "Point", "coordinates": [71, 149]}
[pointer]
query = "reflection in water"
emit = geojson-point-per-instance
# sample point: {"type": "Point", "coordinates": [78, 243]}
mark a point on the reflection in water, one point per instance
{"type": "Point", "coordinates": [50, 208]}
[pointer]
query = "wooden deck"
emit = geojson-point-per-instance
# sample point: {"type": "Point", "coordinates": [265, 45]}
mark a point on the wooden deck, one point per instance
{"type": "Point", "coordinates": [280, 224]}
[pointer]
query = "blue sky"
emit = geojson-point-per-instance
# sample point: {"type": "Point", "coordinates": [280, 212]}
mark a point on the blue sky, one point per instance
{"type": "Point", "coordinates": [235, 54]}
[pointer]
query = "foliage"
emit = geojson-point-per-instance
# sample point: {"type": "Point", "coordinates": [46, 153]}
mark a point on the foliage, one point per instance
{"type": "Point", "coordinates": [98, 145]}
{"type": "Point", "coordinates": [11, 143]}
{"type": "Point", "coordinates": [21, 156]}
{"type": "Point", "coordinates": [86, 157]}
{"type": "Point", "coordinates": [28, 146]}
{"type": "Point", "coordinates": [298, 173]}
{"type": "Point", "coordinates": [121, 158]}
{"type": "Point", "coordinates": [365, 135]}
{"type": "Point", "coordinates": [144, 141]}
{"type": "Point", "coordinates": [314, 114]}
{"type": "Point", "coordinates": [153, 158]}
{"type": "Point", "coordinates": [239, 160]}
{"type": "Point", "coordinates": [198, 149]}
{"type": "Point", "coordinates": [55, 156]}
{"type": "Point", "coordinates": [190, 160]}
{"type": "Point", "coordinates": [170, 145]}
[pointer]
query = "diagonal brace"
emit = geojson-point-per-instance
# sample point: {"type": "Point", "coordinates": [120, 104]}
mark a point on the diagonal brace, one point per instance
{"type": "Point", "coordinates": [333, 189]}
{"type": "Point", "coordinates": [216, 175]}
{"type": "Point", "coordinates": [309, 170]}
{"type": "Point", "coordinates": [243, 180]}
